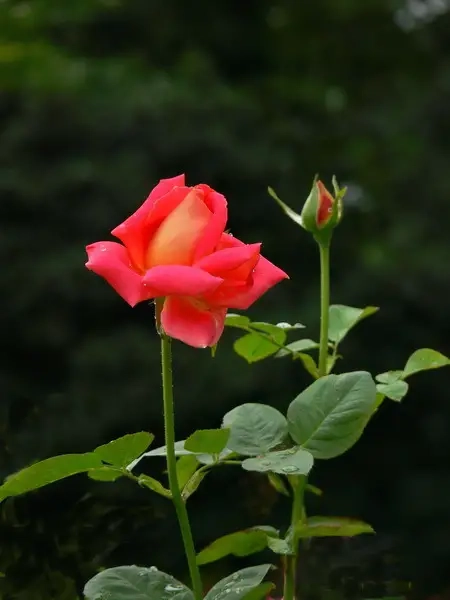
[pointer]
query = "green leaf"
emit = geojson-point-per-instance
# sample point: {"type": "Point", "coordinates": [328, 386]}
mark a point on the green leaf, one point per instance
{"type": "Point", "coordinates": [278, 484]}
{"type": "Point", "coordinates": [254, 347]}
{"type": "Point", "coordinates": [239, 321]}
{"type": "Point", "coordinates": [423, 360]}
{"type": "Point", "coordinates": [240, 543]}
{"type": "Point", "coordinates": [268, 530]}
{"type": "Point", "coordinates": [186, 467]}
{"type": "Point", "coordinates": [289, 327]}
{"type": "Point", "coordinates": [260, 591]}
{"type": "Point", "coordinates": [309, 363]}
{"type": "Point", "coordinates": [294, 461]}
{"type": "Point", "coordinates": [331, 527]}
{"type": "Point", "coordinates": [280, 546]}
{"type": "Point", "coordinates": [396, 390]}
{"type": "Point", "coordinates": [297, 346]}
{"type": "Point", "coordinates": [270, 329]}
{"type": "Point", "coordinates": [161, 451]}
{"type": "Point", "coordinates": [286, 209]}
{"type": "Point", "coordinates": [210, 459]}
{"type": "Point", "coordinates": [48, 471]}
{"type": "Point", "coordinates": [330, 415]}
{"type": "Point", "coordinates": [206, 459]}
{"type": "Point", "coordinates": [105, 474]}
{"type": "Point", "coordinates": [237, 585]}
{"type": "Point", "coordinates": [121, 452]}
{"type": "Point", "coordinates": [135, 583]}
{"type": "Point", "coordinates": [379, 400]}
{"type": "Point", "coordinates": [243, 322]}
{"type": "Point", "coordinates": [343, 318]}
{"type": "Point", "coordinates": [389, 376]}
{"type": "Point", "coordinates": [255, 428]}
{"type": "Point", "coordinates": [193, 483]}
{"type": "Point", "coordinates": [154, 485]}
{"type": "Point", "coordinates": [207, 441]}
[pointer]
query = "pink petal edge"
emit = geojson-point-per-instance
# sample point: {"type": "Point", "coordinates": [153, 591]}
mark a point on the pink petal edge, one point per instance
{"type": "Point", "coordinates": [110, 260]}
{"type": "Point", "coordinates": [215, 228]}
{"type": "Point", "coordinates": [228, 259]}
{"type": "Point", "coordinates": [168, 280]}
{"type": "Point", "coordinates": [265, 276]}
{"type": "Point", "coordinates": [184, 321]}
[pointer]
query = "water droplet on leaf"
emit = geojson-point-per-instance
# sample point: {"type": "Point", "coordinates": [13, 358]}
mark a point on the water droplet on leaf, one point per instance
{"type": "Point", "coordinates": [173, 588]}
{"type": "Point", "coordinates": [289, 469]}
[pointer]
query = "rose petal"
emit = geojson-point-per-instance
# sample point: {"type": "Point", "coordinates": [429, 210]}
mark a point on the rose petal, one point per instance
{"type": "Point", "coordinates": [174, 242]}
{"type": "Point", "coordinates": [135, 231]}
{"type": "Point", "coordinates": [163, 187]}
{"type": "Point", "coordinates": [325, 206]}
{"type": "Point", "coordinates": [213, 231]}
{"type": "Point", "coordinates": [192, 324]}
{"type": "Point", "coordinates": [166, 280]}
{"type": "Point", "coordinates": [265, 276]}
{"type": "Point", "coordinates": [236, 263]}
{"type": "Point", "coordinates": [235, 266]}
{"type": "Point", "coordinates": [111, 261]}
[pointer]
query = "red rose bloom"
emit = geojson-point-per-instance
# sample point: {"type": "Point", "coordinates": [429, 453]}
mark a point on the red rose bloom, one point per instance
{"type": "Point", "coordinates": [174, 246]}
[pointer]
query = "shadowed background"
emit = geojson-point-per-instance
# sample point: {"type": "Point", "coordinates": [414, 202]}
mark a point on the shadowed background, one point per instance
{"type": "Point", "coordinates": [99, 100]}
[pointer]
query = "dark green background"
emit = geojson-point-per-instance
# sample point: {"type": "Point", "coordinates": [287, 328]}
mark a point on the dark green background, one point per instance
{"type": "Point", "coordinates": [101, 98]}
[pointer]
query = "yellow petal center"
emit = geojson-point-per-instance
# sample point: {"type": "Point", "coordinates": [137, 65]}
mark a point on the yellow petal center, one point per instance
{"type": "Point", "coordinates": [175, 239]}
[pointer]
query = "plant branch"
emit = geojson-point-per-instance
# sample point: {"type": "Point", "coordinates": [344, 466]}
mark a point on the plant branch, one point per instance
{"type": "Point", "coordinates": [169, 431]}
{"type": "Point", "coordinates": [298, 484]}
{"type": "Point", "coordinates": [324, 250]}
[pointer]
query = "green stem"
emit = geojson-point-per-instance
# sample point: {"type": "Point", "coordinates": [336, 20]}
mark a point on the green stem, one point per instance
{"type": "Point", "coordinates": [169, 429]}
{"type": "Point", "coordinates": [324, 306]}
{"type": "Point", "coordinates": [298, 483]}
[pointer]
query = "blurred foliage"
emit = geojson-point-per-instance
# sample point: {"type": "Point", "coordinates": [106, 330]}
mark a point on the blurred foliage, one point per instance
{"type": "Point", "coordinates": [101, 98]}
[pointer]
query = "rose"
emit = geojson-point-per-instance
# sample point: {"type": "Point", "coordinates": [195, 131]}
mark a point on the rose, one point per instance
{"type": "Point", "coordinates": [319, 209]}
{"type": "Point", "coordinates": [322, 212]}
{"type": "Point", "coordinates": [174, 247]}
